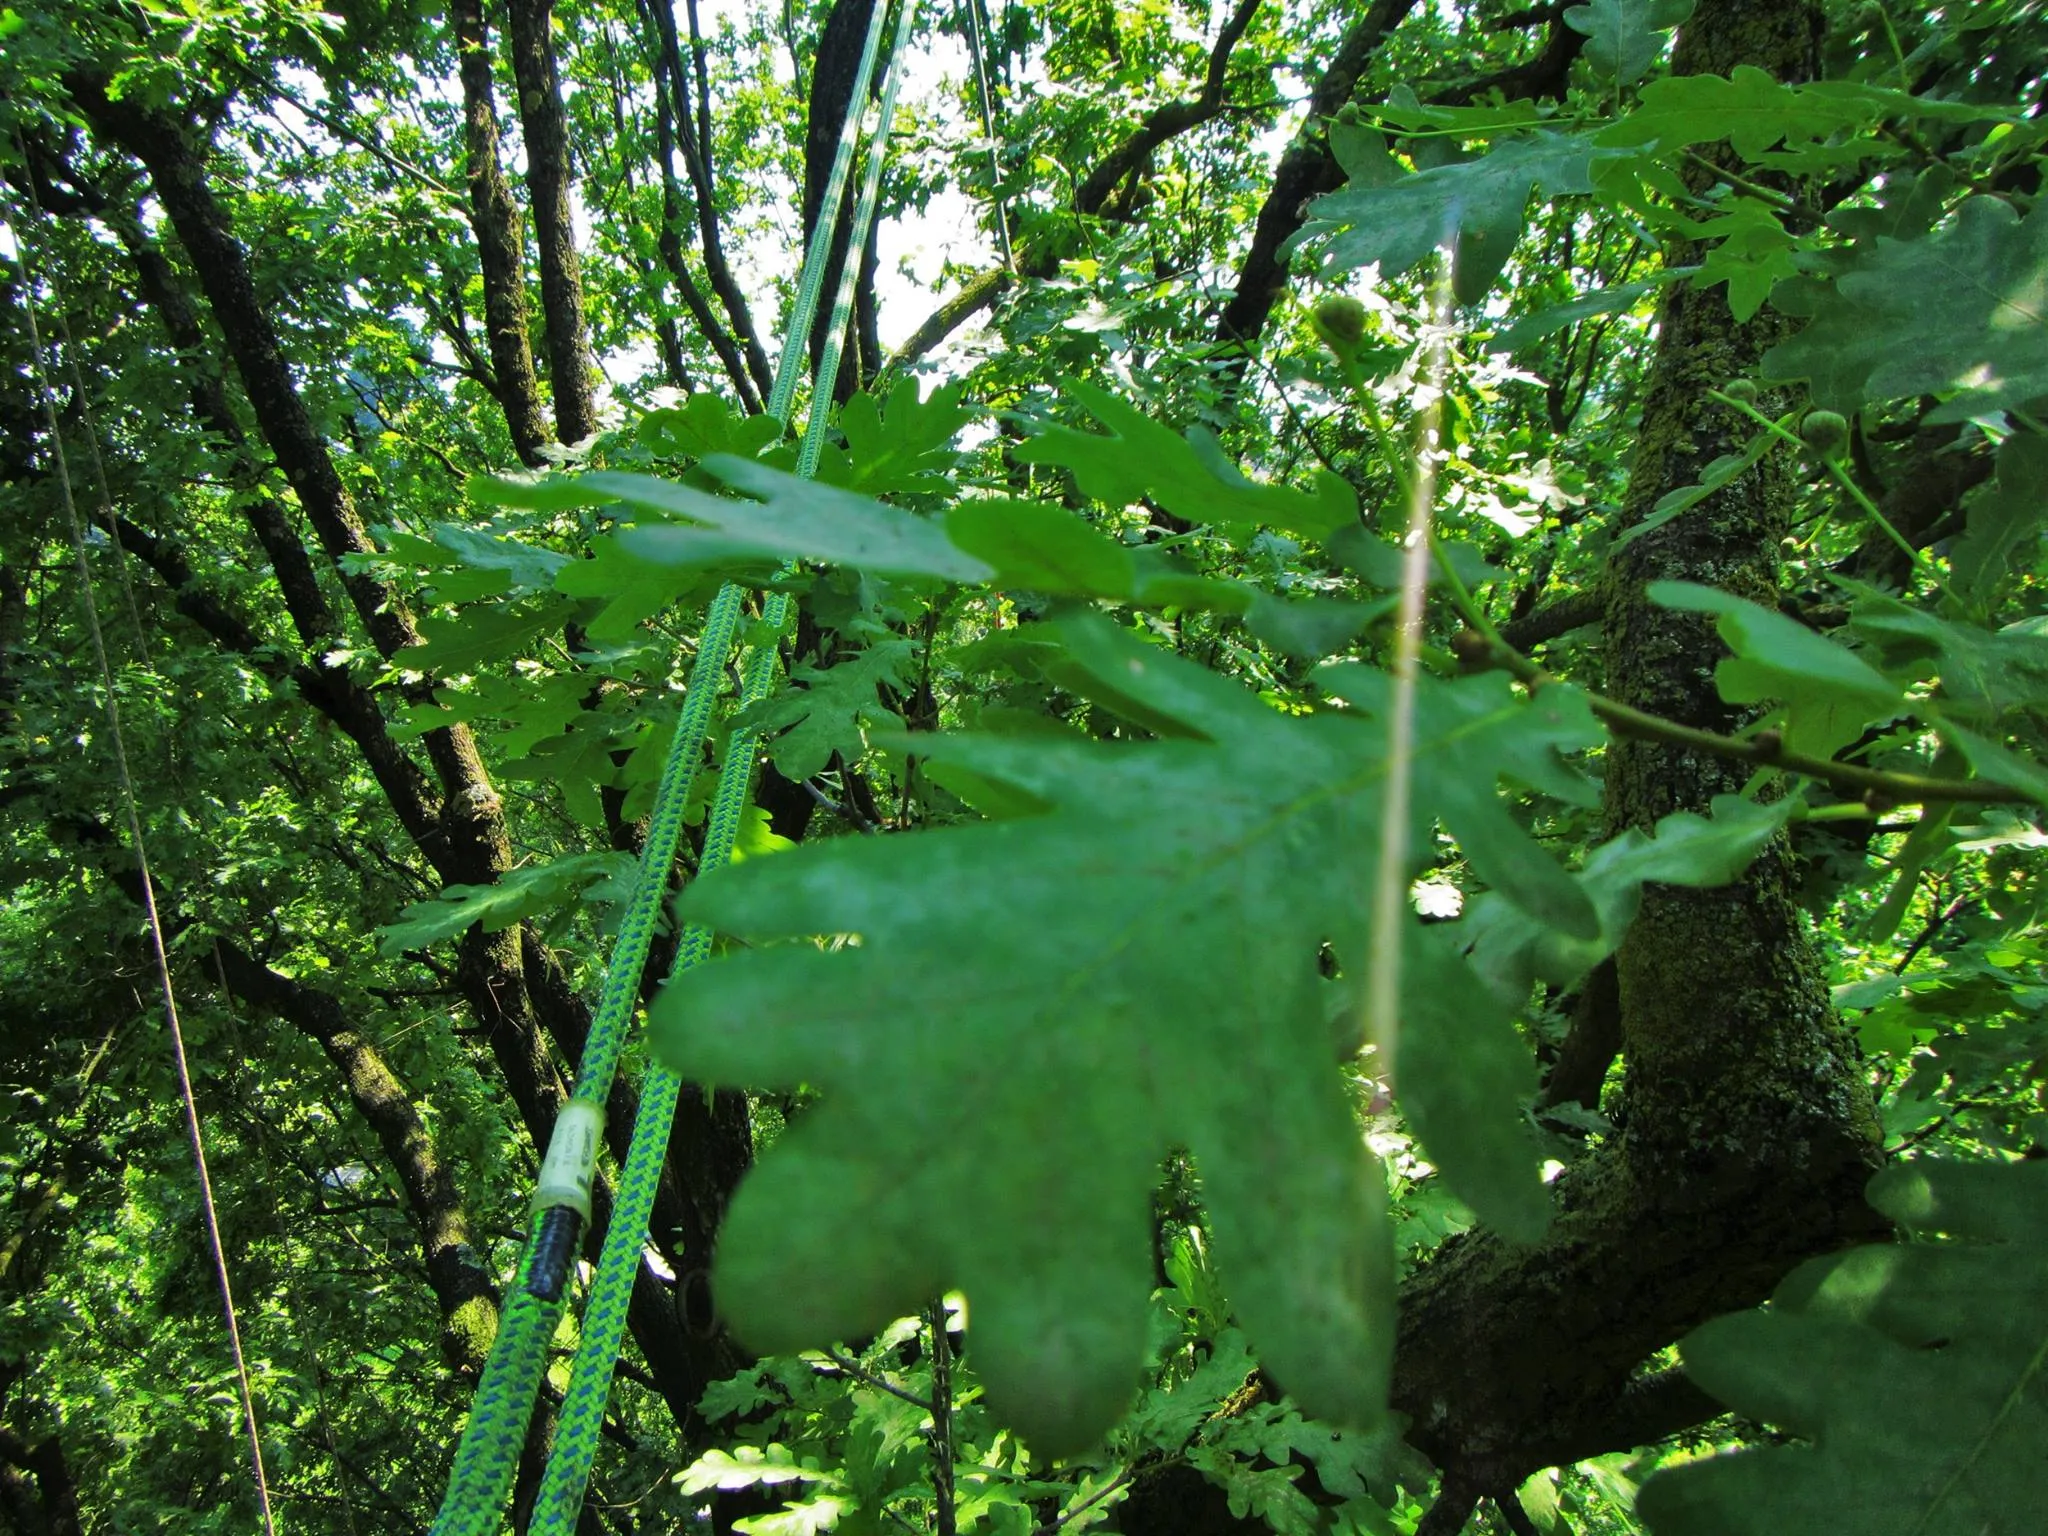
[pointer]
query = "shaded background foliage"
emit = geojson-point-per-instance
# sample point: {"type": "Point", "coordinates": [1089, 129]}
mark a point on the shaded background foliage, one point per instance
{"type": "Point", "coordinates": [352, 679]}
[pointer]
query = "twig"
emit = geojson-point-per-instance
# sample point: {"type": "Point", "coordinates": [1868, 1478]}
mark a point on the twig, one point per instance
{"type": "Point", "coordinates": [1766, 749]}
{"type": "Point", "coordinates": [1122, 1480]}
{"type": "Point", "coordinates": [1742, 183]}
{"type": "Point", "coordinates": [866, 1377]}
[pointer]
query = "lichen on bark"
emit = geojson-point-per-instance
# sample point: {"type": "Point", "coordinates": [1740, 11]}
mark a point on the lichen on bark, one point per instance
{"type": "Point", "coordinates": [1746, 1130]}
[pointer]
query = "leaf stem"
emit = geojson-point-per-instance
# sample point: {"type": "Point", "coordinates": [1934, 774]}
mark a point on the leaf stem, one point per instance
{"type": "Point", "coordinates": [866, 1377]}
{"type": "Point", "coordinates": [1742, 183]}
{"type": "Point", "coordinates": [1766, 749]}
{"type": "Point", "coordinates": [1917, 557]}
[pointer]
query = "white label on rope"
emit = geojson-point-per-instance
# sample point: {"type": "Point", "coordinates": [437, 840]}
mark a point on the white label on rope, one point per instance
{"type": "Point", "coordinates": [568, 1170]}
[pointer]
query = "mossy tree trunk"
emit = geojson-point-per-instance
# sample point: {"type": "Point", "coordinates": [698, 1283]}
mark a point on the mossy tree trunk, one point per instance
{"type": "Point", "coordinates": [500, 244]}
{"type": "Point", "coordinates": [1746, 1131]}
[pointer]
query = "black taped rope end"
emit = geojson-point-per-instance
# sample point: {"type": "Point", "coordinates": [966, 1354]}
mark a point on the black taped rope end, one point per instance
{"type": "Point", "coordinates": [554, 1248]}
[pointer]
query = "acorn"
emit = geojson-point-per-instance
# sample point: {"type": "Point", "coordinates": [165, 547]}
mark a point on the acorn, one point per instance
{"type": "Point", "coordinates": [1740, 389]}
{"type": "Point", "coordinates": [1471, 648]}
{"type": "Point", "coordinates": [1826, 433]}
{"type": "Point", "coordinates": [1340, 321]}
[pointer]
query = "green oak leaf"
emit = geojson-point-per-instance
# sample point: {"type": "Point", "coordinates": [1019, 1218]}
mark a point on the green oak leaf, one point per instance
{"type": "Point", "coordinates": [807, 724]}
{"type": "Point", "coordinates": [480, 635]}
{"type": "Point", "coordinates": [1961, 312]}
{"type": "Point", "coordinates": [1190, 477]}
{"type": "Point", "coordinates": [1514, 951]}
{"type": "Point", "coordinates": [1751, 254]}
{"type": "Point", "coordinates": [1916, 1373]}
{"type": "Point", "coordinates": [2003, 520]}
{"type": "Point", "coordinates": [1131, 957]}
{"type": "Point", "coordinates": [905, 448]}
{"type": "Point", "coordinates": [520, 894]}
{"type": "Point", "coordinates": [1313, 627]}
{"type": "Point", "coordinates": [792, 519]}
{"type": "Point", "coordinates": [632, 590]}
{"type": "Point", "coordinates": [1531, 329]}
{"type": "Point", "coordinates": [1625, 37]}
{"type": "Point", "coordinates": [1993, 759]}
{"type": "Point", "coordinates": [579, 762]}
{"type": "Point", "coordinates": [524, 567]}
{"type": "Point", "coordinates": [1481, 203]}
{"type": "Point", "coordinates": [1828, 692]}
{"type": "Point", "coordinates": [1748, 108]}
{"type": "Point", "coordinates": [1983, 674]}
{"type": "Point", "coordinates": [546, 491]}
{"type": "Point", "coordinates": [702, 425]}
{"type": "Point", "coordinates": [1037, 547]}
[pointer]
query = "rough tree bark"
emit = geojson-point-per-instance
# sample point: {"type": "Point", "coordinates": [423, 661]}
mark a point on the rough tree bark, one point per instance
{"type": "Point", "coordinates": [548, 179]}
{"type": "Point", "coordinates": [692, 132]}
{"type": "Point", "coordinates": [499, 245]}
{"type": "Point", "coordinates": [1747, 1131]}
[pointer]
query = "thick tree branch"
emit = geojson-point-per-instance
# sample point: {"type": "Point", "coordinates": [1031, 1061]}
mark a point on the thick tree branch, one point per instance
{"type": "Point", "coordinates": [570, 368]}
{"type": "Point", "coordinates": [669, 241]}
{"type": "Point", "coordinates": [979, 294]}
{"type": "Point", "coordinates": [1309, 167]}
{"type": "Point", "coordinates": [1306, 169]}
{"type": "Point", "coordinates": [1573, 611]}
{"type": "Point", "coordinates": [500, 247]}
{"type": "Point", "coordinates": [468, 1300]}
{"type": "Point", "coordinates": [672, 77]}
{"type": "Point", "coordinates": [326, 683]}
{"type": "Point", "coordinates": [1166, 122]}
{"type": "Point", "coordinates": [1040, 259]}
{"type": "Point", "coordinates": [468, 843]}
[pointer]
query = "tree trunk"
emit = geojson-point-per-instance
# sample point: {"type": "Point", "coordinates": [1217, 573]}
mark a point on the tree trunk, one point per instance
{"type": "Point", "coordinates": [1747, 1133]}
{"type": "Point", "coordinates": [674, 214]}
{"type": "Point", "coordinates": [495, 218]}
{"type": "Point", "coordinates": [672, 76]}
{"type": "Point", "coordinates": [548, 179]}
{"type": "Point", "coordinates": [38, 1495]}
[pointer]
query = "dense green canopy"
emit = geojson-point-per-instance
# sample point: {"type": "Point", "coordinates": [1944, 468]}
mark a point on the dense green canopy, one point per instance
{"type": "Point", "coordinates": [1408, 755]}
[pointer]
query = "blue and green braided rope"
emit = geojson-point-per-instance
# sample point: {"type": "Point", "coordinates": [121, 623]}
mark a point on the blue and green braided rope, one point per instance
{"type": "Point", "coordinates": [487, 1458]}
{"type": "Point", "coordinates": [581, 1421]}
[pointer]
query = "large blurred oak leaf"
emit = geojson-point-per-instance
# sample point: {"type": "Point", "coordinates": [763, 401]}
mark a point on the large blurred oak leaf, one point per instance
{"type": "Point", "coordinates": [1031, 1013]}
{"type": "Point", "coordinates": [1916, 1374]}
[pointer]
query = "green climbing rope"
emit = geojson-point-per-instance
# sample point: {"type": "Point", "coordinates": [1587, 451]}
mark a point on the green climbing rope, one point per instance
{"type": "Point", "coordinates": [488, 1454]}
{"type": "Point", "coordinates": [604, 1314]}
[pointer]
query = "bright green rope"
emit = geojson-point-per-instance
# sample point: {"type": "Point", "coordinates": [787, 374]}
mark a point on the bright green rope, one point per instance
{"type": "Point", "coordinates": [604, 1314]}
{"type": "Point", "coordinates": [488, 1455]}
